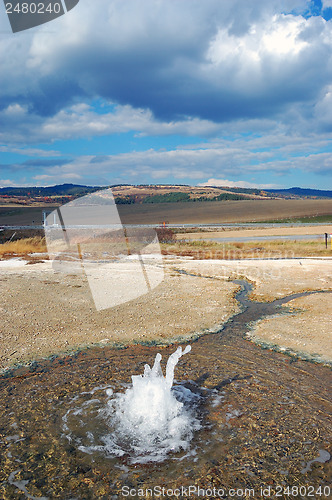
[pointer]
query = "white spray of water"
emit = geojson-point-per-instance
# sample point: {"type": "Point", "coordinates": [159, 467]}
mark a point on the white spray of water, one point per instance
{"type": "Point", "coordinates": [145, 423]}
{"type": "Point", "coordinates": [149, 419]}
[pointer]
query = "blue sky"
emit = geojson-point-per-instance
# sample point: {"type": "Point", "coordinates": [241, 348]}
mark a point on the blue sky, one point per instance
{"type": "Point", "coordinates": [165, 91]}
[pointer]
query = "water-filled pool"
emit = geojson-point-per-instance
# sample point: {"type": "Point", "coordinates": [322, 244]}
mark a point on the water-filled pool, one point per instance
{"type": "Point", "coordinates": [259, 419]}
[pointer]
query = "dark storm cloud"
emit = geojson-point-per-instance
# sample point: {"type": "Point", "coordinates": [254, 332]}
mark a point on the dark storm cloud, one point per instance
{"type": "Point", "coordinates": [54, 94]}
{"type": "Point", "coordinates": [213, 60]}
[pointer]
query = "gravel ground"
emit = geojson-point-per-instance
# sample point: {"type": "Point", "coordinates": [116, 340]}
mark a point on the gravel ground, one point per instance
{"type": "Point", "coordinates": [308, 330]}
{"type": "Point", "coordinates": [45, 313]}
{"type": "Point", "coordinates": [272, 279]}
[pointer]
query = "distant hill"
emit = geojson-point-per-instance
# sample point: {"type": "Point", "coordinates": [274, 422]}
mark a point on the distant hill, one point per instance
{"type": "Point", "coordinates": [129, 194]}
{"type": "Point", "coordinates": [297, 191]}
{"type": "Point", "coordinates": [59, 190]}
{"type": "Point", "coordinates": [123, 193]}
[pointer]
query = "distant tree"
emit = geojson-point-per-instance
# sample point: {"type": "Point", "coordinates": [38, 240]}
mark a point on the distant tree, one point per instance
{"type": "Point", "coordinates": [167, 198]}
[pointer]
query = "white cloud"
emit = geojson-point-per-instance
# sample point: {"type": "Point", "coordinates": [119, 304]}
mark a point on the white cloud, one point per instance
{"type": "Point", "coordinates": [29, 151]}
{"type": "Point", "coordinates": [282, 36]}
{"type": "Point", "coordinates": [217, 163]}
{"type": "Point", "coordinates": [82, 120]}
{"type": "Point", "coordinates": [279, 36]}
{"type": "Point", "coordinates": [15, 110]}
{"type": "Point", "coordinates": [9, 183]}
{"type": "Point", "coordinates": [323, 109]}
{"type": "Point", "coordinates": [247, 74]}
{"type": "Point", "coordinates": [51, 178]}
{"type": "Point", "coordinates": [272, 59]}
{"type": "Point", "coordinates": [241, 184]}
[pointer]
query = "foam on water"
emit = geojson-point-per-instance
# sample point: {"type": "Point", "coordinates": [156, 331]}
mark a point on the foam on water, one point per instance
{"type": "Point", "coordinates": [145, 423]}
{"type": "Point", "coordinates": [149, 417]}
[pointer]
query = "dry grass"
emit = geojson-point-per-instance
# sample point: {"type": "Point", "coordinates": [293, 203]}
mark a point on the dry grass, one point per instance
{"type": "Point", "coordinates": [274, 249]}
{"type": "Point", "coordinates": [199, 249]}
{"type": "Point", "coordinates": [23, 247]}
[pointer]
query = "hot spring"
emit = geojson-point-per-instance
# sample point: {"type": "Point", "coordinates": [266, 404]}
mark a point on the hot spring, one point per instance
{"type": "Point", "coordinates": [145, 423]}
{"type": "Point", "coordinates": [238, 416]}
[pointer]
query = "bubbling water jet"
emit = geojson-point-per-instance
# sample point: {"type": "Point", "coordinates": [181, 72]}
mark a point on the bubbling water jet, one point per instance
{"type": "Point", "coordinates": [144, 424]}
{"type": "Point", "coordinates": [148, 417]}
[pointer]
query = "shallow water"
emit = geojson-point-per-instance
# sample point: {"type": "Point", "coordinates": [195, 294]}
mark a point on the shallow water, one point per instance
{"type": "Point", "coordinates": [264, 420]}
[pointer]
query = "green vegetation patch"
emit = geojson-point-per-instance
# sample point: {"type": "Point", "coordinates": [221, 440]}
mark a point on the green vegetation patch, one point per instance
{"type": "Point", "coordinates": [229, 196]}
{"type": "Point", "coordinates": [183, 197]}
{"type": "Point", "coordinates": [167, 198]}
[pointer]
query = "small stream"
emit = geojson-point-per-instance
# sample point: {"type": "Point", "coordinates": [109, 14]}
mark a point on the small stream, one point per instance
{"type": "Point", "coordinates": [253, 311]}
{"type": "Point", "coordinates": [264, 420]}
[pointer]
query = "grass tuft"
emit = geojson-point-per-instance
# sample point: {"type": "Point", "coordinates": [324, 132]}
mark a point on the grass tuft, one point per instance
{"type": "Point", "coordinates": [273, 249]}
{"type": "Point", "coordinates": [23, 247]}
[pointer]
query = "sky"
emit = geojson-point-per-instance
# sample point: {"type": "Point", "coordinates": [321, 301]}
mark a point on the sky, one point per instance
{"type": "Point", "coordinates": [198, 92]}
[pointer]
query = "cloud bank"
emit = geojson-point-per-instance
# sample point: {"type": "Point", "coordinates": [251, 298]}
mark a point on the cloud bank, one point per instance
{"type": "Point", "coordinates": [230, 73]}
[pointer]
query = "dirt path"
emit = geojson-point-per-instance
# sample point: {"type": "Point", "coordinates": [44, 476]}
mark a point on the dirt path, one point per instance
{"type": "Point", "coordinates": [317, 230]}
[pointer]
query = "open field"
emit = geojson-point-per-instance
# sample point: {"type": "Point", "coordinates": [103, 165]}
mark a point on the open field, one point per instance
{"type": "Point", "coordinates": [22, 216]}
{"type": "Point", "coordinates": [46, 313]}
{"type": "Point", "coordinates": [313, 219]}
{"type": "Point", "coordinates": [204, 244]}
{"type": "Point", "coordinates": [193, 191]}
{"type": "Point", "coordinates": [222, 212]}
{"type": "Point", "coordinates": [216, 212]}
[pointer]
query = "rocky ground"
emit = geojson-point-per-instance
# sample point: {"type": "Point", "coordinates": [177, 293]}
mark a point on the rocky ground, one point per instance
{"type": "Point", "coordinates": [45, 313]}
{"type": "Point", "coordinates": [308, 329]}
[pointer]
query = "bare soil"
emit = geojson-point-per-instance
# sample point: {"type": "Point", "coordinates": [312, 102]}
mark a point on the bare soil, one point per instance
{"type": "Point", "coordinates": [219, 212]}
{"type": "Point", "coordinates": [205, 212]}
{"type": "Point", "coordinates": [307, 330]}
{"type": "Point", "coordinates": [44, 313]}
